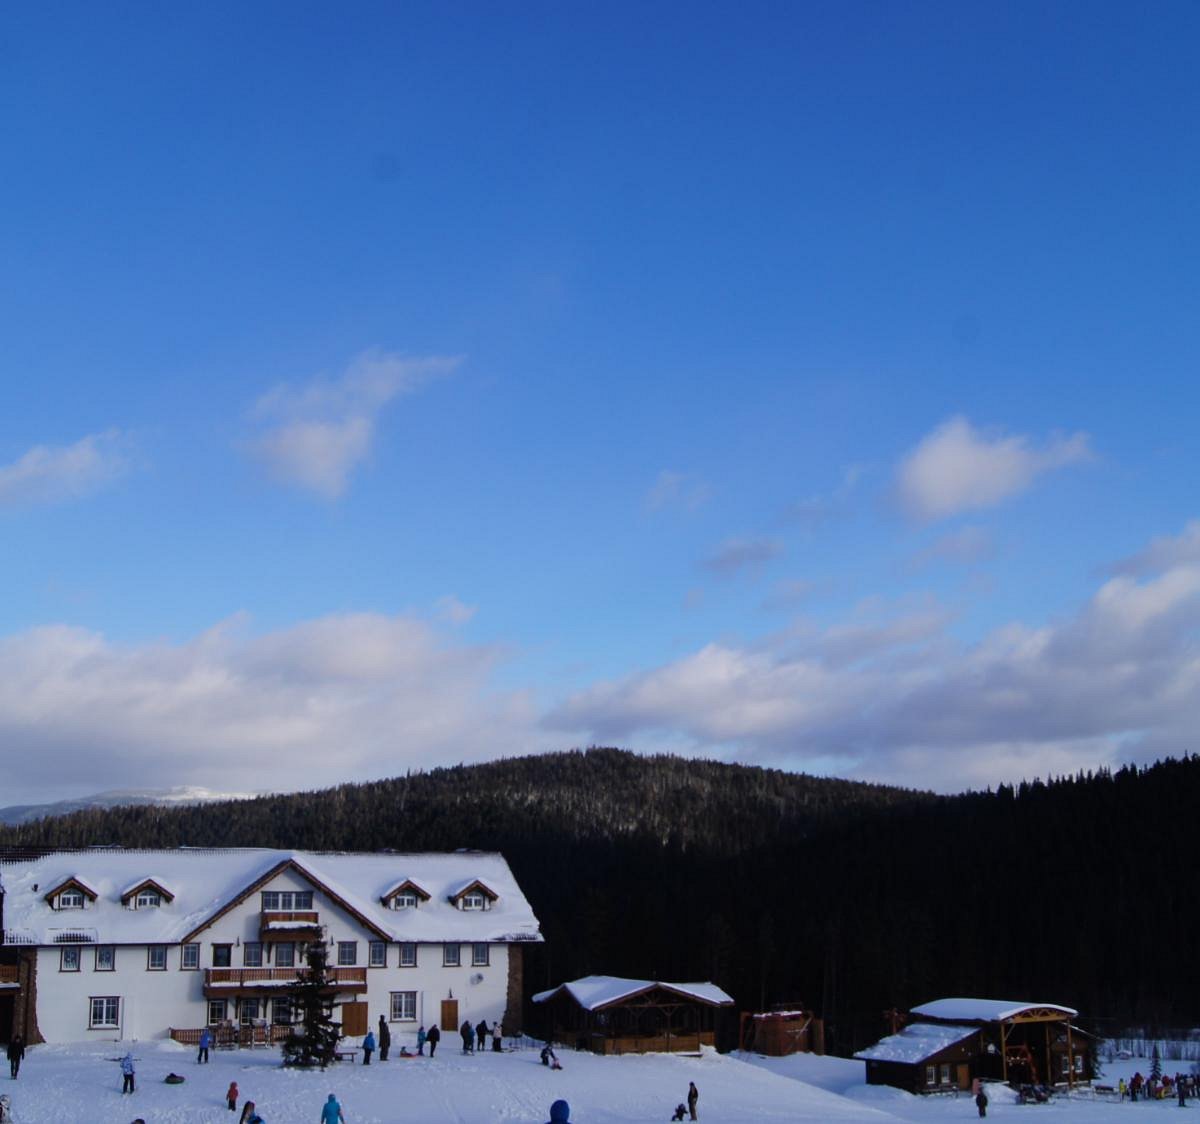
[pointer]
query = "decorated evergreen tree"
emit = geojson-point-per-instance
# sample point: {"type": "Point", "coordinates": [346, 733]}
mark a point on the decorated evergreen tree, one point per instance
{"type": "Point", "coordinates": [314, 1041]}
{"type": "Point", "coordinates": [1155, 1064]}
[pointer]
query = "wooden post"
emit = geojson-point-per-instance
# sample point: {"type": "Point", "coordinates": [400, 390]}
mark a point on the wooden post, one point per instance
{"type": "Point", "coordinates": [1003, 1053]}
{"type": "Point", "coordinates": [1070, 1058]}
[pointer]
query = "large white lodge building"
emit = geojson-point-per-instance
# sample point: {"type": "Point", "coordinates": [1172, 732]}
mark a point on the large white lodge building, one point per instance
{"type": "Point", "coordinates": [122, 944]}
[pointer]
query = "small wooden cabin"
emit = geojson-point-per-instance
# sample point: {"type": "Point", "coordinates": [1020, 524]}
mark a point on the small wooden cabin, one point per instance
{"type": "Point", "coordinates": [611, 1015]}
{"type": "Point", "coordinates": [779, 1033]}
{"type": "Point", "coordinates": [948, 1043]}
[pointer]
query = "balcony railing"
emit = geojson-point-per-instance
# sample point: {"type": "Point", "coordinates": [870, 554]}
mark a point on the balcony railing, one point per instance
{"type": "Point", "coordinates": [217, 980]}
{"type": "Point", "coordinates": [287, 924]}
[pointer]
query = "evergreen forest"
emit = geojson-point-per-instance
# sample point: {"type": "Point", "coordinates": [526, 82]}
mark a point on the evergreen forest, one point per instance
{"type": "Point", "coordinates": [783, 888]}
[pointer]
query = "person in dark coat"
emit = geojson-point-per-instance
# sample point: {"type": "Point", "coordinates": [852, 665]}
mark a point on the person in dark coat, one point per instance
{"type": "Point", "coordinates": [433, 1036]}
{"type": "Point", "coordinates": [468, 1037]}
{"type": "Point", "coordinates": [385, 1039]}
{"type": "Point", "coordinates": [692, 1098]}
{"type": "Point", "coordinates": [981, 1102]}
{"type": "Point", "coordinates": [16, 1051]}
{"type": "Point", "coordinates": [481, 1033]}
{"type": "Point", "coordinates": [560, 1113]}
{"type": "Point", "coordinates": [421, 1036]}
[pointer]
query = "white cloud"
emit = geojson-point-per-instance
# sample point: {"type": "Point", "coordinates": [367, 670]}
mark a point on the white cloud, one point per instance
{"type": "Point", "coordinates": [316, 434]}
{"type": "Point", "coordinates": [959, 468]}
{"type": "Point", "coordinates": [899, 699]}
{"type": "Point", "coordinates": [1165, 552]}
{"type": "Point", "coordinates": [451, 609]}
{"type": "Point", "coordinates": [734, 556]}
{"type": "Point", "coordinates": [332, 699]}
{"type": "Point", "coordinates": [963, 546]}
{"type": "Point", "coordinates": [676, 489]}
{"type": "Point", "coordinates": [54, 473]}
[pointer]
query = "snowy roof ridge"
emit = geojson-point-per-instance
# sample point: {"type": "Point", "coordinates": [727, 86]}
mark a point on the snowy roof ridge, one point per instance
{"type": "Point", "coordinates": [962, 1008]}
{"type": "Point", "coordinates": [594, 992]}
{"type": "Point", "coordinates": [916, 1042]}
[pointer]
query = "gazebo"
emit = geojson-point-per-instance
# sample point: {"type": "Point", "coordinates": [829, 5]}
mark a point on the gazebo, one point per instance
{"type": "Point", "coordinates": [611, 1015]}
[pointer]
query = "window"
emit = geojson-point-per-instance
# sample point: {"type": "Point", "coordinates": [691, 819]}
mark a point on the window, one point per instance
{"type": "Point", "coordinates": [479, 955]}
{"type": "Point", "coordinates": [281, 1011]}
{"type": "Point", "coordinates": [473, 900]}
{"type": "Point", "coordinates": [451, 955]}
{"type": "Point", "coordinates": [106, 958]}
{"type": "Point", "coordinates": [147, 899]}
{"type": "Point", "coordinates": [347, 953]}
{"type": "Point", "coordinates": [404, 1007]}
{"type": "Point", "coordinates": [156, 958]}
{"type": "Point", "coordinates": [377, 954]}
{"type": "Point", "coordinates": [287, 899]}
{"type": "Point", "coordinates": [406, 899]}
{"type": "Point", "coordinates": [68, 958]}
{"type": "Point", "coordinates": [285, 955]}
{"type": "Point", "coordinates": [408, 956]}
{"type": "Point", "coordinates": [217, 1011]}
{"type": "Point", "coordinates": [189, 958]}
{"type": "Point", "coordinates": [945, 1074]}
{"type": "Point", "coordinates": [1078, 1063]}
{"type": "Point", "coordinates": [222, 955]}
{"type": "Point", "coordinates": [252, 954]}
{"type": "Point", "coordinates": [931, 1075]}
{"type": "Point", "coordinates": [70, 899]}
{"type": "Point", "coordinates": [105, 1011]}
{"type": "Point", "coordinates": [249, 1011]}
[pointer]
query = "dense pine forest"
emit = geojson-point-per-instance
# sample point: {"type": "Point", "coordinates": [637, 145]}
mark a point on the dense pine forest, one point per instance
{"type": "Point", "coordinates": [783, 888]}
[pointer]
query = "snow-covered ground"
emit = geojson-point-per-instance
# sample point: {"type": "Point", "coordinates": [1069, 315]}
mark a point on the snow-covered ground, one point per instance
{"type": "Point", "coordinates": [80, 1084]}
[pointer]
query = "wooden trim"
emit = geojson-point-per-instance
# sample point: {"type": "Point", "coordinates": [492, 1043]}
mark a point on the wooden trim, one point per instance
{"type": "Point", "coordinates": [407, 884]}
{"type": "Point", "coordinates": [66, 884]}
{"type": "Point", "coordinates": [479, 885]}
{"type": "Point", "coordinates": [146, 884]}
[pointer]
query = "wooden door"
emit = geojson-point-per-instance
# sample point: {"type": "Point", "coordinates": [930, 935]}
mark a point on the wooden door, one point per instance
{"type": "Point", "coordinates": [354, 1020]}
{"type": "Point", "coordinates": [449, 1019]}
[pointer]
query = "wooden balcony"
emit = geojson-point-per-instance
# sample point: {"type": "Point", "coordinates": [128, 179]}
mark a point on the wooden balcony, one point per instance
{"type": "Point", "coordinates": [275, 981]}
{"type": "Point", "coordinates": [289, 925]}
{"type": "Point", "coordinates": [9, 974]}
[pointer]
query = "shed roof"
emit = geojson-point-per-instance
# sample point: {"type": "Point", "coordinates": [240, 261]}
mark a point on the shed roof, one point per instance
{"type": "Point", "coordinates": [595, 992]}
{"type": "Point", "coordinates": [985, 1010]}
{"type": "Point", "coordinates": [916, 1042]}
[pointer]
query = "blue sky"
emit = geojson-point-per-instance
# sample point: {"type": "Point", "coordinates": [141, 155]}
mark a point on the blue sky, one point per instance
{"type": "Point", "coordinates": [807, 385]}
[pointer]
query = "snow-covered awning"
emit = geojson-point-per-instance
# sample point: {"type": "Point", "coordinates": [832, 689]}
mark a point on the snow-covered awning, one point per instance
{"type": "Point", "coordinates": [989, 1010]}
{"type": "Point", "coordinates": [594, 992]}
{"type": "Point", "coordinates": [916, 1042]}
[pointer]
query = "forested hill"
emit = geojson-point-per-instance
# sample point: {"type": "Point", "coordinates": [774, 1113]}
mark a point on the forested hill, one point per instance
{"type": "Point", "coordinates": [783, 888]}
{"type": "Point", "coordinates": [592, 795]}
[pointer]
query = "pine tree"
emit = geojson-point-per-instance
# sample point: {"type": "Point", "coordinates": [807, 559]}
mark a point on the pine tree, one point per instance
{"type": "Point", "coordinates": [315, 1041]}
{"type": "Point", "coordinates": [1155, 1064]}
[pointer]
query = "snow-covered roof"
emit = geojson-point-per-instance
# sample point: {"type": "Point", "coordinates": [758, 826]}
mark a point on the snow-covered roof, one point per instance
{"type": "Point", "coordinates": [206, 881]}
{"type": "Point", "coordinates": [984, 1010]}
{"type": "Point", "coordinates": [916, 1042]}
{"type": "Point", "coordinates": [594, 992]}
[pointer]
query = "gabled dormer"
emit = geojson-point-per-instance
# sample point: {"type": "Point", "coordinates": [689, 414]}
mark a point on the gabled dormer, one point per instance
{"type": "Point", "coordinates": [72, 893]}
{"type": "Point", "coordinates": [405, 895]}
{"type": "Point", "coordinates": [474, 895]}
{"type": "Point", "coordinates": [149, 893]}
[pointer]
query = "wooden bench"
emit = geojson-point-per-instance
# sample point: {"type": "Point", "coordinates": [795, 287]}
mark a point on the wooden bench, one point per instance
{"type": "Point", "coordinates": [346, 1054]}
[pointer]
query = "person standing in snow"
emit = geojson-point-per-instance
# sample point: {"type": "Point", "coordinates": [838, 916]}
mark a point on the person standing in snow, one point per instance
{"type": "Point", "coordinates": [468, 1037]}
{"type": "Point", "coordinates": [981, 1102]}
{"type": "Point", "coordinates": [692, 1098]}
{"type": "Point", "coordinates": [385, 1039]}
{"type": "Point", "coordinates": [231, 1096]}
{"type": "Point", "coordinates": [433, 1036]}
{"type": "Point", "coordinates": [481, 1033]}
{"type": "Point", "coordinates": [16, 1051]}
{"type": "Point", "coordinates": [332, 1112]}
{"type": "Point", "coordinates": [205, 1043]}
{"type": "Point", "coordinates": [560, 1113]}
{"type": "Point", "coordinates": [248, 1113]}
{"type": "Point", "coordinates": [127, 1073]}
{"type": "Point", "coordinates": [496, 1044]}
{"type": "Point", "coordinates": [368, 1047]}
{"type": "Point", "coordinates": [421, 1040]}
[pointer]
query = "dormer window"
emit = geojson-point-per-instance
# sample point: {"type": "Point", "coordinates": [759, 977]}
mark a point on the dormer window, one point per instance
{"type": "Point", "coordinates": [71, 893]}
{"type": "Point", "coordinates": [474, 895]}
{"type": "Point", "coordinates": [473, 900]}
{"type": "Point", "coordinates": [405, 900]}
{"type": "Point", "coordinates": [149, 893]}
{"type": "Point", "coordinates": [70, 899]}
{"type": "Point", "coordinates": [405, 895]}
{"type": "Point", "coordinates": [147, 899]}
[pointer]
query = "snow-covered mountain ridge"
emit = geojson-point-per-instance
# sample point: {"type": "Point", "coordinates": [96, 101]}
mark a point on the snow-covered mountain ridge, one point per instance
{"type": "Point", "coordinates": [175, 796]}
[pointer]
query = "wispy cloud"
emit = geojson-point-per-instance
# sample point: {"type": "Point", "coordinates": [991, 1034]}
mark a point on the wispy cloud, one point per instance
{"type": "Point", "coordinates": [315, 434]}
{"type": "Point", "coordinates": [1165, 552]}
{"type": "Point", "coordinates": [676, 489]}
{"type": "Point", "coordinates": [454, 611]}
{"type": "Point", "coordinates": [818, 508]}
{"type": "Point", "coordinates": [964, 546]}
{"type": "Point", "coordinates": [735, 556]}
{"type": "Point", "coordinates": [56, 473]}
{"type": "Point", "coordinates": [959, 468]}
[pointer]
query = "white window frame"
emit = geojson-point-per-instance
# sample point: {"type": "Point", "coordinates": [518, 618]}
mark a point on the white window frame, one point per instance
{"type": "Point", "coordinates": [218, 1011]}
{"type": "Point", "coordinates": [377, 954]}
{"type": "Point", "coordinates": [290, 955]}
{"type": "Point", "coordinates": [189, 957]}
{"type": "Point", "coordinates": [286, 901]}
{"type": "Point", "coordinates": [280, 1005]}
{"type": "Point", "coordinates": [71, 899]}
{"type": "Point", "coordinates": [347, 954]}
{"type": "Point", "coordinates": [244, 1008]}
{"type": "Point", "coordinates": [252, 954]}
{"type": "Point", "coordinates": [481, 955]}
{"type": "Point", "coordinates": [931, 1075]}
{"type": "Point", "coordinates": [109, 1012]}
{"type": "Point", "coordinates": [475, 899]}
{"type": "Point", "coordinates": [408, 954]}
{"type": "Point", "coordinates": [156, 958]}
{"type": "Point", "coordinates": [451, 959]}
{"type": "Point", "coordinates": [111, 952]}
{"type": "Point", "coordinates": [147, 899]}
{"type": "Point", "coordinates": [403, 1007]}
{"type": "Point", "coordinates": [406, 899]}
{"type": "Point", "coordinates": [70, 957]}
